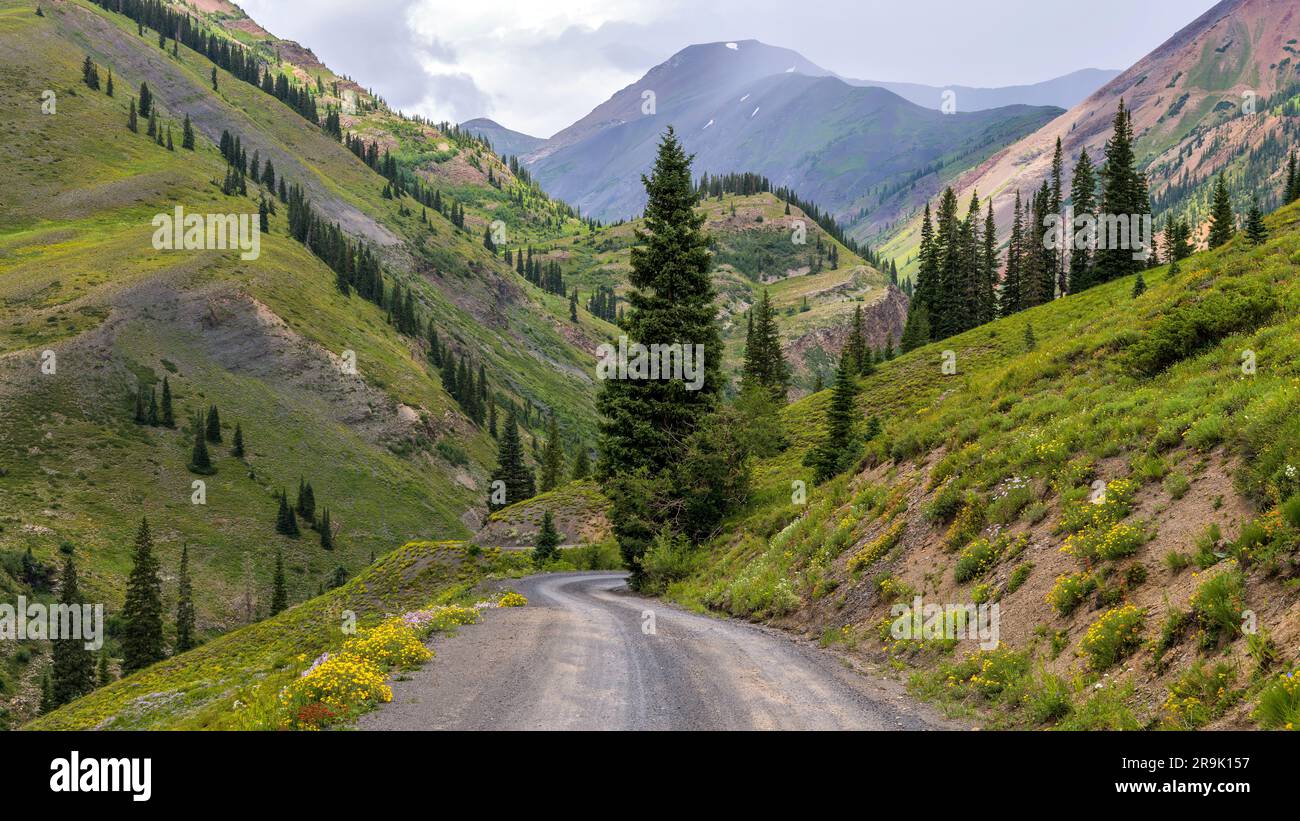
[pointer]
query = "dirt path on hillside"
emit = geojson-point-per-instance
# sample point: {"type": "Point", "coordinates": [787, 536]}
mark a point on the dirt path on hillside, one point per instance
{"type": "Point", "coordinates": [578, 658]}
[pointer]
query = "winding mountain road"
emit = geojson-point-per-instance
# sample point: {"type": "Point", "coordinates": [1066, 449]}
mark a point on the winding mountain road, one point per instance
{"type": "Point", "coordinates": [586, 654]}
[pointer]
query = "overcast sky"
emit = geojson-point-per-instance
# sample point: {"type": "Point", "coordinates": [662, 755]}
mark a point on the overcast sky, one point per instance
{"type": "Point", "coordinates": [538, 65]}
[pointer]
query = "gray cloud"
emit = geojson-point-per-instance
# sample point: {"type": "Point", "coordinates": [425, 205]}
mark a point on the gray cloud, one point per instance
{"type": "Point", "coordinates": [538, 66]}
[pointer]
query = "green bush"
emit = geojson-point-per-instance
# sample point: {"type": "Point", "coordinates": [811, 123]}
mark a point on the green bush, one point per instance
{"type": "Point", "coordinates": [1190, 328]}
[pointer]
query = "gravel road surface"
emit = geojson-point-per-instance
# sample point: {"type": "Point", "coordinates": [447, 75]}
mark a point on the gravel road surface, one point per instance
{"type": "Point", "coordinates": [580, 657]}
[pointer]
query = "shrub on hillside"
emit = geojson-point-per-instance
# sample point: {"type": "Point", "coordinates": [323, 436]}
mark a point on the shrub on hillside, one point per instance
{"type": "Point", "coordinates": [1189, 328]}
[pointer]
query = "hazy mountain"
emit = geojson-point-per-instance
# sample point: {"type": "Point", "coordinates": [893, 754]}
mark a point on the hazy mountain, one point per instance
{"type": "Point", "coordinates": [1192, 101]}
{"type": "Point", "coordinates": [1065, 91]}
{"type": "Point", "coordinates": [504, 140]}
{"type": "Point", "coordinates": [747, 106]}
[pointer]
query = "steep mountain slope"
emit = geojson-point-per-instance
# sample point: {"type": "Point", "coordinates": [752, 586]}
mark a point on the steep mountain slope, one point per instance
{"type": "Point", "coordinates": [1062, 92]}
{"type": "Point", "coordinates": [747, 106]}
{"type": "Point", "coordinates": [1218, 95]}
{"type": "Point", "coordinates": [754, 250]}
{"type": "Point", "coordinates": [270, 341]}
{"type": "Point", "coordinates": [1118, 484]}
{"type": "Point", "coordinates": [503, 140]}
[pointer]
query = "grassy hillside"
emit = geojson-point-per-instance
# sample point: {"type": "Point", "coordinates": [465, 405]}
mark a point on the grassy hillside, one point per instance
{"type": "Point", "coordinates": [753, 250]}
{"type": "Point", "coordinates": [1172, 603]}
{"type": "Point", "coordinates": [386, 449]}
{"type": "Point", "coordinates": [235, 681]}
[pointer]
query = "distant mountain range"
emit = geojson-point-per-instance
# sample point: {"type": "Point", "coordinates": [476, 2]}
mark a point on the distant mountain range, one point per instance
{"type": "Point", "coordinates": [1066, 91]}
{"type": "Point", "coordinates": [748, 106]}
{"type": "Point", "coordinates": [1210, 99]}
{"type": "Point", "coordinates": [504, 140]}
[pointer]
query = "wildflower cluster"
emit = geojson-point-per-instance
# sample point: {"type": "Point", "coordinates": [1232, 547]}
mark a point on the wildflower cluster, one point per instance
{"type": "Point", "coordinates": [1279, 703]}
{"type": "Point", "coordinates": [1199, 696]}
{"type": "Point", "coordinates": [1106, 543]}
{"type": "Point", "coordinates": [882, 544]}
{"type": "Point", "coordinates": [512, 599]}
{"type": "Point", "coordinates": [1070, 591]}
{"type": "Point", "coordinates": [341, 685]}
{"type": "Point", "coordinates": [1113, 636]}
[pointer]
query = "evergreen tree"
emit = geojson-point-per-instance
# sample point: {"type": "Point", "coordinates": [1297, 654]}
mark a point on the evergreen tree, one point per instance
{"type": "Point", "coordinates": [1291, 191]}
{"type": "Point", "coordinates": [643, 421]}
{"type": "Point", "coordinates": [142, 629]}
{"type": "Point", "coordinates": [915, 333]}
{"type": "Point", "coordinates": [1010, 299]}
{"type": "Point", "coordinates": [547, 547]}
{"type": "Point", "coordinates": [1031, 341]}
{"type": "Point", "coordinates": [985, 296]}
{"type": "Point", "coordinates": [184, 605]}
{"type": "Point", "coordinates": [837, 449]}
{"type": "Point", "coordinates": [108, 89]}
{"type": "Point", "coordinates": [153, 408]}
{"type": "Point", "coordinates": [104, 677]}
{"type": "Point", "coordinates": [146, 101]}
{"type": "Point", "coordinates": [73, 665]}
{"type": "Point", "coordinates": [237, 445]}
{"type": "Point", "coordinates": [306, 506]}
{"type": "Point", "coordinates": [168, 416]}
{"type": "Point", "coordinates": [1139, 286]}
{"type": "Point", "coordinates": [141, 412]}
{"type": "Point", "coordinates": [132, 122]}
{"type": "Point", "coordinates": [552, 457]}
{"type": "Point", "coordinates": [1223, 223]}
{"type": "Point", "coordinates": [765, 364]}
{"type": "Point", "coordinates": [1083, 196]}
{"type": "Point", "coordinates": [1256, 231]}
{"type": "Point", "coordinates": [517, 478]}
{"type": "Point", "coordinates": [581, 465]}
{"type": "Point", "coordinates": [326, 531]}
{"type": "Point", "coordinates": [286, 524]}
{"type": "Point", "coordinates": [187, 134]}
{"type": "Point", "coordinates": [200, 461]}
{"type": "Point", "coordinates": [1123, 193]}
{"type": "Point", "coordinates": [213, 432]}
{"type": "Point", "coordinates": [89, 76]}
{"type": "Point", "coordinates": [1054, 206]}
{"type": "Point", "coordinates": [279, 595]}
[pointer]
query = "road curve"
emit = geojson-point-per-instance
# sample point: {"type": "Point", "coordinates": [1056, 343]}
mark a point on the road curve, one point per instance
{"type": "Point", "coordinates": [580, 657]}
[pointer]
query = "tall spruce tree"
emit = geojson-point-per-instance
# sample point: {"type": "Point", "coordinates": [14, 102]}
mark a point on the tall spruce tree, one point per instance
{"type": "Point", "coordinates": [765, 364]}
{"type": "Point", "coordinates": [184, 605]}
{"type": "Point", "coordinates": [200, 461]}
{"type": "Point", "coordinates": [644, 421]}
{"type": "Point", "coordinates": [279, 593]}
{"type": "Point", "coordinates": [837, 449]}
{"type": "Point", "coordinates": [581, 465]}
{"type": "Point", "coordinates": [552, 456]}
{"type": "Point", "coordinates": [1083, 196]}
{"type": "Point", "coordinates": [237, 443]}
{"type": "Point", "coordinates": [142, 628]}
{"type": "Point", "coordinates": [326, 531]}
{"type": "Point", "coordinates": [547, 546]}
{"type": "Point", "coordinates": [73, 665]}
{"type": "Point", "coordinates": [213, 432]}
{"type": "Point", "coordinates": [1256, 231]}
{"type": "Point", "coordinates": [168, 416]}
{"type": "Point", "coordinates": [515, 477]}
{"type": "Point", "coordinates": [1223, 222]}
{"type": "Point", "coordinates": [1010, 298]}
{"type": "Point", "coordinates": [1123, 195]}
